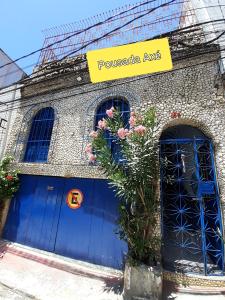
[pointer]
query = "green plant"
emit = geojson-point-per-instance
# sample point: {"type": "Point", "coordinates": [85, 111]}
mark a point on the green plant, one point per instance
{"type": "Point", "coordinates": [9, 181]}
{"type": "Point", "coordinates": [133, 177]}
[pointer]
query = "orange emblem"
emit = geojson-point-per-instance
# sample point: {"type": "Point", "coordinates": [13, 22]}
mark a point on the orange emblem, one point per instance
{"type": "Point", "coordinates": [74, 198]}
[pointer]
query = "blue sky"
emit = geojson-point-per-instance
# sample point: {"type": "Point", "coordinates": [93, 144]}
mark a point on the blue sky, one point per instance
{"type": "Point", "coordinates": [22, 21]}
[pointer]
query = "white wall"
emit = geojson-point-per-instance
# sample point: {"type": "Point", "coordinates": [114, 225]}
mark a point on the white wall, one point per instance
{"type": "Point", "coordinates": [211, 10]}
{"type": "Point", "coordinates": [8, 103]}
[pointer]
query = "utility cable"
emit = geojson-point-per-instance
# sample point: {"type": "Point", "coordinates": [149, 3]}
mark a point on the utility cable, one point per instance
{"type": "Point", "coordinates": [161, 20]}
{"type": "Point", "coordinates": [104, 88]}
{"type": "Point", "coordinates": [105, 35]}
{"type": "Point", "coordinates": [183, 30]}
{"type": "Point", "coordinates": [77, 33]}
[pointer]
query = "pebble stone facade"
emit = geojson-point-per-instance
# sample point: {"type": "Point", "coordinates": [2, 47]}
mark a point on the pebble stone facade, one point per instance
{"type": "Point", "coordinates": [194, 89]}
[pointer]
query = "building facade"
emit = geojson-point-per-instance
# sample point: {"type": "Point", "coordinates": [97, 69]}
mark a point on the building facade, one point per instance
{"type": "Point", "coordinates": [48, 139]}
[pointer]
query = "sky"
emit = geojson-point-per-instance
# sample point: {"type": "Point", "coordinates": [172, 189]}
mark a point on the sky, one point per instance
{"type": "Point", "coordinates": [22, 21]}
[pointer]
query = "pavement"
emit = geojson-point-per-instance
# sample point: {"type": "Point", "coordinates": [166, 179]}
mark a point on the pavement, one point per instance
{"type": "Point", "coordinates": [172, 291]}
{"type": "Point", "coordinates": [7, 293]}
{"type": "Point", "coordinates": [27, 273]}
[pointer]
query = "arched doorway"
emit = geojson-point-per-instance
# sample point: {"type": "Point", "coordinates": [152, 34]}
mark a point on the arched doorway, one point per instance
{"type": "Point", "coordinates": [191, 216]}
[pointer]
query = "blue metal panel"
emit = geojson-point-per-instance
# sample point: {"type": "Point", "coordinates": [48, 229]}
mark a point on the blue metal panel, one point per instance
{"type": "Point", "coordinates": [34, 212]}
{"type": "Point", "coordinates": [104, 219]}
{"type": "Point", "coordinates": [74, 225]}
{"type": "Point", "coordinates": [40, 217]}
{"type": "Point", "coordinates": [44, 213]}
{"type": "Point", "coordinates": [90, 229]}
{"type": "Point", "coordinates": [191, 215]}
{"type": "Point", "coordinates": [19, 212]}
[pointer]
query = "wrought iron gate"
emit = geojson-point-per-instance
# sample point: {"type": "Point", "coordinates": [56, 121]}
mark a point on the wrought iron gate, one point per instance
{"type": "Point", "coordinates": [191, 216]}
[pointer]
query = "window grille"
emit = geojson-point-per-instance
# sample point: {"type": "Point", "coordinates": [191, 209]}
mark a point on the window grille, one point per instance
{"type": "Point", "coordinates": [40, 136]}
{"type": "Point", "coordinates": [123, 107]}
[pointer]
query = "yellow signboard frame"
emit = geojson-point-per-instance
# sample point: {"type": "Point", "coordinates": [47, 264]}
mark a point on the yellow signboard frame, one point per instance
{"type": "Point", "coordinates": [129, 60]}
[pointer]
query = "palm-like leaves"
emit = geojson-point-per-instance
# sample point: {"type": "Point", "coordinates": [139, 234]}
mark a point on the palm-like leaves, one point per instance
{"type": "Point", "coordinates": [134, 179]}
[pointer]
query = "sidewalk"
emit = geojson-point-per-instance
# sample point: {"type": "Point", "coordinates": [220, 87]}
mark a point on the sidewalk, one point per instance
{"type": "Point", "coordinates": [7, 293]}
{"type": "Point", "coordinates": [41, 281]}
{"type": "Point", "coordinates": [27, 274]}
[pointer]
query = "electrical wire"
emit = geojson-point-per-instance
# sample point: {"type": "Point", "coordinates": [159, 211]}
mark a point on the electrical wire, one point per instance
{"type": "Point", "coordinates": [107, 87]}
{"type": "Point", "coordinates": [164, 19]}
{"type": "Point", "coordinates": [108, 33]}
{"type": "Point", "coordinates": [27, 99]}
{"type": "Point", "coordinates": [27, 80]}
{"type": "Point", "coordinates": [77, 33]}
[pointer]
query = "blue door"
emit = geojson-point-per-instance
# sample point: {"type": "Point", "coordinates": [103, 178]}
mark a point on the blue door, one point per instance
{"type": "Point", "coordinates": [191, 216]}
{"type": "Point", "coordinates": [40, 217]}
{"type": "Point", "coordinates": [34, 212]}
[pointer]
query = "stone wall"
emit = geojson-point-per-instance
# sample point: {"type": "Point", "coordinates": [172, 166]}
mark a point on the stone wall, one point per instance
{"type": "Point", "coordinates": [193, 88]}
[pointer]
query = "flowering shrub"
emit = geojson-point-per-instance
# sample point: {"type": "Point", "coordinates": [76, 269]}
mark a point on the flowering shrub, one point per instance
{"type": "Point", "coordinates": [133, 177]}
{"type": "Point", "coordinates": [9, 181]}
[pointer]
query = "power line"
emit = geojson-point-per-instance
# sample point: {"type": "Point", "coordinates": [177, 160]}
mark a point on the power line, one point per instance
{"type": "Point", "coordinates": [109, 32]}
{"type": "Point", "coordinates": [164, 19]}
{"type": "Point", "coordinates": [99, 38]}
{"type": "Point", "coordinates": [27, 99]}
{"type": "Point", "coordinates": [119, 27]}
{"type": "Point", "coordinates": [184, 30]}
{"type": "Point", "coordinates": [79, 32]}
{"type": "Point", "coordinates": [107, 87]}
{"type": "Point", "coordinates": [93, 41]}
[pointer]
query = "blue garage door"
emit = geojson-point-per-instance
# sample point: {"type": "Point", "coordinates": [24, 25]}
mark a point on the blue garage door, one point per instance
{"type": "Point", "coordinates": [40, 217]}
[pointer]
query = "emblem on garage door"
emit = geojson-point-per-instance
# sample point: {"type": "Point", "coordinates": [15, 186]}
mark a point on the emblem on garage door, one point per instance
{"type": "Point", "coordinates": [74, 198]}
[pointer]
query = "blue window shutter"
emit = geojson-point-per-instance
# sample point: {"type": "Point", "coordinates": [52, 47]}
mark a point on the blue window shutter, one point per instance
{"type": "Point", "coordinates": [40, 136]}
{"type": "Point", "coordinates": [122, 106]}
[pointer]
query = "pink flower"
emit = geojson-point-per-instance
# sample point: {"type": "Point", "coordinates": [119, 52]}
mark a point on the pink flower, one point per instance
{"type": "Point", "coordinates": [140, 129]}
{"type": "Point", "coordinates": [122, 133]}
{"type": "Point", "coordinates": [88, 149]}
{"type": "Point", "coordinates": [110, 112]}
{"type": "Point", "coordinates": [129, 133]}
{"type": "Point", "coordinates": [102, 124]}
{"type": "Point", "coordinates": [92, 157]}
{"type": "Point", "coordinates": [93, 134]}
{"type": "Point", "coordinates": [132, 114]}
{"type": "Point", "coordinates": [132, 121]}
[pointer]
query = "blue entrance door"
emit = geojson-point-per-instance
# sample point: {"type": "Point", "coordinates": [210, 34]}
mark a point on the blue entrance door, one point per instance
{"type": "Point", "coordinates": [40, 217]}
{"type": "Point", "coordinates": [88, 233]}
{"type": "Point", "coordinates": [34, 212]}
{"type": "Point", "coordinates": [191, 216]}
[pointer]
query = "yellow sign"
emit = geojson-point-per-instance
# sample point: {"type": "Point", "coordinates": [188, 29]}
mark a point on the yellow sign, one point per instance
{"type": "Point", "coordinates": [129, 60]}
{"type": "Point", "coordinates": [74, 198]}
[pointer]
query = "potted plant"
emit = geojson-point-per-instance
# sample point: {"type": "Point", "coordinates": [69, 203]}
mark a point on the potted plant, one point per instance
{"type": "Point", "coordinates": [134, 175]}
{"type": "Point", "coordinates": [9, 184]}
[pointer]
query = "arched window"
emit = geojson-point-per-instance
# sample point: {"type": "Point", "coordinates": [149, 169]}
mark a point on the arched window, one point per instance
{"type": "Point", "coordinates": [120, 105]}
{"type": "Point", "coordinates": [40, 136]}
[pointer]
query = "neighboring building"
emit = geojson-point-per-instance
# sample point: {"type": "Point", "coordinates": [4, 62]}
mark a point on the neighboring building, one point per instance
{"type": "Point", "coordinates": [49, 136]}
{"type": "Point", "coordinates": [9, 74]}
{"type": "Point", "coordinates": [212, 13]}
